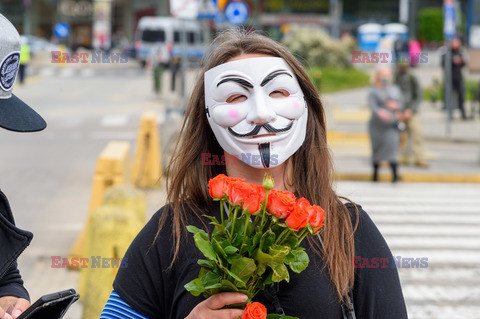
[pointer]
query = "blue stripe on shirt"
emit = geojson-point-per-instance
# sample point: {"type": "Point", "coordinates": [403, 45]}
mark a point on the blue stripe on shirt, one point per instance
{"type": "Point", "coordinates": [116, 308]}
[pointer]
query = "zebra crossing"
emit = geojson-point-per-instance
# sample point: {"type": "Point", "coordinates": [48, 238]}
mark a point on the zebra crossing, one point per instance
{"type": "Point", "coordinates": [84, 72]}
{"type": "Point", "coordinates": [440, 222]}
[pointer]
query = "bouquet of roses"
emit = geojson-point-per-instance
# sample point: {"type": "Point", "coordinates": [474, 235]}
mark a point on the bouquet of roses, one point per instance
{"type": "Point", "coordinates": [257, 237]}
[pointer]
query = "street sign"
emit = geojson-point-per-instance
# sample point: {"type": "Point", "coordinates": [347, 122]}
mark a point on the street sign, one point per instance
{"type": "Point", "coordinates": [449, 29]}
{"type": "Point", "coordinates": [207, 9]}
{"type": "Point", "coordinates": [61, 30]}
{"type": "Point", "coordinates": [236, 12]}
{"type": "Point", "coordinates": [185, 9]}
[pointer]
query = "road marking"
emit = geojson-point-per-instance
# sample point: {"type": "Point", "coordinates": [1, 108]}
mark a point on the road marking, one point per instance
{"type": "Point", "coordinates": [435, 243]}
{"type": "Point", "coordinates": [114, 120]}
{"type": "Point", "coordinates": [427, 218]}
{"type": "Point", "coordinates": [113, 135]}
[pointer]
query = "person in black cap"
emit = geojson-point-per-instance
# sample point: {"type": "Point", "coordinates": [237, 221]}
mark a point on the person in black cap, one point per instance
{"type": "Point", "coordinates": [17, 116]}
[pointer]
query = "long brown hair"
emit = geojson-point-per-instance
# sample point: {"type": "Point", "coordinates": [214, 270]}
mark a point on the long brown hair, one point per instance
{"type": "Point", "coordinates": [312, 166]}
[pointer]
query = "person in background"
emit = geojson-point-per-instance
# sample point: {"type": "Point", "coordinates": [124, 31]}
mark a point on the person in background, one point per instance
{"type": "Point", "coordinates": [413, 152]}
{"type": "Point", "coordinates": [458, 62]}
{"type": "Point", "coordinates": [385, 102]}
{"type": "Point", "coordinates": [15, 115]}
{"type": "Point", "coordinates": [24, 60]}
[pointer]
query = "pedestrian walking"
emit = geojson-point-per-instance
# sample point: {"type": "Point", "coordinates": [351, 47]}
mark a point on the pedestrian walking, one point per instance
{"type": "Point", "coordinates": [159, 61]}
{"type": "Point", "coordinates": [24, 60]}
{"type": "Point", "coordinates": [458, 62]}
{"type": "Point", "coordinates": [254, 98]}
{"type": "Point", "coordinates": [413, 152]}
{"type": "Point", "coordinates": [15, 115]}
{"type": "Point", "coordinates": [385, 102]}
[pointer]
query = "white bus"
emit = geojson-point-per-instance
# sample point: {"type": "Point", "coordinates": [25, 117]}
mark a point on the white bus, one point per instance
{"type": "Point", "coordinates": [164, 34]}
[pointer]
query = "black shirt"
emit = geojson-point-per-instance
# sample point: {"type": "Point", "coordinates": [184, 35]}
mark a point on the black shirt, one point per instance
{"type": "Point", "coordinates": [152, 290]}
{"type": "Point", "coordinates": [12, 243]}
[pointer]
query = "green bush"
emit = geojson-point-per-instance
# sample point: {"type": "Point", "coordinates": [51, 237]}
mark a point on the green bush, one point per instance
{"type": "Point", "coordinates": [471, 91]}
{"type": "Point", "coordinates": [316, 48]}
{"type": "Point", "coordinates": [430, 25]}
{"type": "Point", "coordinates": [330, 79]}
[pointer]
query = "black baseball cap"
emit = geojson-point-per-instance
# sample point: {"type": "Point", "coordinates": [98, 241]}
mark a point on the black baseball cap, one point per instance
{"type": "Point", "coordinates": [15, 115]}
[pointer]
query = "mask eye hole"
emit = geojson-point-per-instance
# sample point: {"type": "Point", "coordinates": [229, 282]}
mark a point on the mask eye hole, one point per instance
{"type": "Point", "coordinates": [279, 94]}
{"type": "Point", "coordinates": [237, 98]}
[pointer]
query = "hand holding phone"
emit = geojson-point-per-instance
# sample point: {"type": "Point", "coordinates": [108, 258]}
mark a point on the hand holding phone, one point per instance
{"type": "Point", "coordinates": [51, 306]}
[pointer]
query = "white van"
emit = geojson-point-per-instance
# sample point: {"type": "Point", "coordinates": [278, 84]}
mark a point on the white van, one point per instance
{"type": "Point", "coordinates": [164, 34]}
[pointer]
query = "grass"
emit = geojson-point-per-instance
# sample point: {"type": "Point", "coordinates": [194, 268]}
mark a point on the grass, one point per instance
{"type": "Point", "coordinates": [329, 79]}
{"type": "Point", "coordinates": [471, 91]}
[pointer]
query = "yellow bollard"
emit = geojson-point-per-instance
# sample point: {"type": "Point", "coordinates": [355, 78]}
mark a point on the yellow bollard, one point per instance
{"type": "Point", "coordinates": [128, 197]}
{"type": "Point", "coordinates": [147, 164]}
{"type": "Point", "coordinates": [61, 60]}
{"type": "Point", "coordinates": [113, 167]}
{"type": "Point", "coordinates": [112, 229]}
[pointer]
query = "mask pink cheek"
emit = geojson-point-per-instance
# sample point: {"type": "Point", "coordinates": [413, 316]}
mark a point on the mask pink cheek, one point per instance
{"type": "Point", "coordinates": [233, 114]}
{"type": "Point", "coordinates": [296, 104]}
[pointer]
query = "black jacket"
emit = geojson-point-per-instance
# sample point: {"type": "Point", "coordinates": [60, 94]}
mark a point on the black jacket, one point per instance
{"type": "Point", "coordinates": [13, 242]}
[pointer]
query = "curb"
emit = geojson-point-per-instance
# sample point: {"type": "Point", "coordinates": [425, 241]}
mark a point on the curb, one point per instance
{"type": "Point", "coordinates": [413, 178]}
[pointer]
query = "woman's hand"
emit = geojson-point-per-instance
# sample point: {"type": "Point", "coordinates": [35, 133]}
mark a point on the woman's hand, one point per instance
{"type": "Point", "coordinates": [384, 115]}
{"type": "Point", "coordinates": [212, 307]}
{"type": "Point", "coordinates": [392, 105]}
{"type": "Point", "coordinates": [12, 307]}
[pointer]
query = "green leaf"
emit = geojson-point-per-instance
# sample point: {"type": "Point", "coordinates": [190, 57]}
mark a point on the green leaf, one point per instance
{"type": "Point", "coordinates": [230, 250]}
{"type": "Point", "coordinates": [278, 253]}
{"type": "Point", "coordinates": [261, 268]}
{"type": "Point", "coordinates": [291, 241]}
{"type": "Point", "coordinates": [255, 242]}
{"type": "Point", "coordinates": [298, 260]}
{"type": "Point", "coordinates": [280, 272]}
{"type": "Point", "coordinates": [195, 287]}
{"type": "Point", "coordinates": [213, 219]}
{"type": "Point", "coordinates": [228, 285]}
{"type": "Point", "coordinates": [218, 248]}
{"type": "Point", "coordinates": [240, 283]}
{"type": "Point", "coordinates": [244, 267]}
{"type": "Point", "coordinates": [262, 257]}
{"type": "Point", "coordinates": [267, 240]}
{"type": "Point", "coordinates": [194, 230]}
{"type": "Point", "coordinates": [232, 258]}
{"type": "Point", "coordinates": [211, 280]}
{"type": "Point", "coordinates": [205, 263]}
{"type": "Point", "coordinates": [204, 246]}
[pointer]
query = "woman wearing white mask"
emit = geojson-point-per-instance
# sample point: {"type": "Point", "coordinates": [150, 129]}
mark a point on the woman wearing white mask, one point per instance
{"type": "Point", "coordinates": [254, 104]}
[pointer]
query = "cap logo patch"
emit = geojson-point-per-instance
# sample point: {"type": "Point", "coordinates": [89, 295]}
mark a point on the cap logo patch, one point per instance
{"type": "Point", "coordinates": [8, 70]}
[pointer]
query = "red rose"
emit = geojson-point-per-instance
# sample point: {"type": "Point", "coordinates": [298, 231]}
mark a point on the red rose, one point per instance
{"type": "Point", "coordinates": [316, 216]}
{"type": "Point", "coordinates": [247, 195]}
{"type": "Point", "coordinates": [238, 191]}
{"type": "Point", "coordinates": [252, 202]}
{"type": "Point", "coordinates": [217, 186]}
{"type": "Point", "coordinates": [299, 216]}
{"type": "Point", "coordinates": [254, 310]}
{"type": "Point", "coordinates": [280, 203]}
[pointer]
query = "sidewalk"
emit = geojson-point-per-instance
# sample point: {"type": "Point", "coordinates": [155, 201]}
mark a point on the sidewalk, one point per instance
{"type": "Point", "coordinates": [453, 158]}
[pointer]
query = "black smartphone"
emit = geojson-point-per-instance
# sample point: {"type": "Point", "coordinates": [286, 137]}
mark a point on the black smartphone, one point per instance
{"type": "Point", "coordinates": [51, 306]}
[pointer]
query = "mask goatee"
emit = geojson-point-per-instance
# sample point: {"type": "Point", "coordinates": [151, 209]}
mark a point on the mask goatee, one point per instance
{"type": "Point", "coordinates": [265, 154]}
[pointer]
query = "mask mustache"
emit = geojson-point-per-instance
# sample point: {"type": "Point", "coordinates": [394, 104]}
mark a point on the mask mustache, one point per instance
{"type": "Point", "coordinates": [257, 128]}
